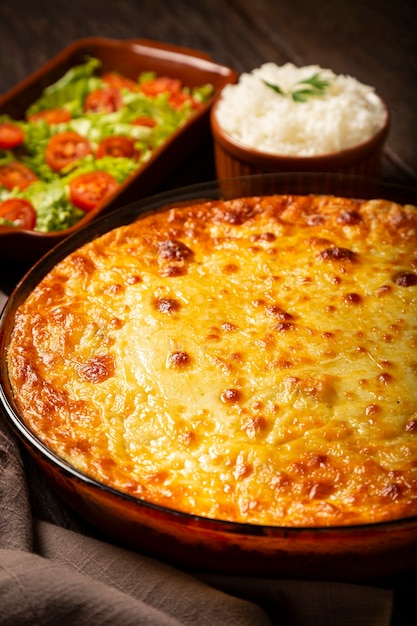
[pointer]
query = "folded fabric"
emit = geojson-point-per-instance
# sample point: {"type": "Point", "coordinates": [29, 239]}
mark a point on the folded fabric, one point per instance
{"type": "Point", "coordinates": [54, 575]}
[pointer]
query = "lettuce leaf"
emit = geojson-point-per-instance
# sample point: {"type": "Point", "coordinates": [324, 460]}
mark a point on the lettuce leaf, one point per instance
{"type": "Point", "coordinates": [70, 90]}
{"type": "Point", "coordinates": [50, 194]}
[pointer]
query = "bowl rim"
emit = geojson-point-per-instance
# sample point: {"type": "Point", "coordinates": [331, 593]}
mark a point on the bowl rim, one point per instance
{"type": "Point", "coordinates": [125, 215]}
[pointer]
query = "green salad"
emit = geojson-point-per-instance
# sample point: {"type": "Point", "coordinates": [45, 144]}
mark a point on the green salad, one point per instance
{"type": "Point", "coordinates": [85, 135]}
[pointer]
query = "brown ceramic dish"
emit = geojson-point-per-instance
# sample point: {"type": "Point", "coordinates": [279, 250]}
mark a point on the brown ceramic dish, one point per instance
{"type": "Point", "coordinates": [233, 158]}
{"type": "Point", "coordinates": [130, 58]}
{"type": "Point", "coordinates": [189, 541]}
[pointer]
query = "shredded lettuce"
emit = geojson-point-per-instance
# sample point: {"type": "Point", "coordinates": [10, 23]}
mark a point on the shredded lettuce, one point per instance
{"type": "Point", "coordinates": [71, 90]}
{"type": "Point", "coordinates": [54, 210]}
{"type": "Point", "coordinates": [50, 194]}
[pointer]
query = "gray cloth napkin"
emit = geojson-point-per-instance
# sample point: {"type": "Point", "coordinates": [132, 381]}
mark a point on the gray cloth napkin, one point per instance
{"type": "Point", "coordinates": [51, 575]}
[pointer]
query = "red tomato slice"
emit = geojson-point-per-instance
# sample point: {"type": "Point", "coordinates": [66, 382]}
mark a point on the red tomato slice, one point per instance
{"type": "Point", "coordinates": [177, 100]}
{"type": "Point", "coordinates": [159, 85]}
{"type": "Point", "coordinates": [117, 146]}
{"type": "Point", "coordinates": [51, 116]}
{"type": "Point", "coordinates": [66, 148]}
{"type": "Point", "coordinates": [118, 81]}
{"type": "Point", "coordinates": [103, 101]}
{"type": "Point", "coordinates": [20, 212]}
{"type": "Point", "coordinates": [144, 120]}
{"type": "Point", "coordinates": [15, 174]}
{"type": "Point", "coordinates": [89, 189]}
{"type": "Point", "coordinates": [11, 135]}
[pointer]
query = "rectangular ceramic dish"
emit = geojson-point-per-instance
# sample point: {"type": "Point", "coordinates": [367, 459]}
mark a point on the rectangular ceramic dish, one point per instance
{"type": "Point", "coordinates": [130, 58]}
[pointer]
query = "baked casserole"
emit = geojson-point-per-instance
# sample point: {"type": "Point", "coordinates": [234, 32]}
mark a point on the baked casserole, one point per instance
{"type": "Point", "coordinates": [250, 360]}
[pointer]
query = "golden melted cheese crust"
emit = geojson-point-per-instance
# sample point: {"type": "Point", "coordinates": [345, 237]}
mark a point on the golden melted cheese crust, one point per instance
{"type": "Point", "coordinates": [250, 360]}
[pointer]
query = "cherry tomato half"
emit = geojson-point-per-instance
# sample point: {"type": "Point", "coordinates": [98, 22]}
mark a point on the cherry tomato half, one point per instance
{"type": "Point", "coordinates": [89, 189]}
{"type": "Point", "coordinates": [144, 120]}
{"type": "Point", "coordinates": [103, 101]}
{"type": "Point", "coordinates": [118, 81]}
{"type": "Point", "coordinates": [20, 212]}
{"type": "Point", "coordinates": [117, 146]}
{"type": "Point", "coordinates": [51, 116]}
{"type": "Point", "coordinates": [15, 174]}
{"type": "Point", "coordinates": [177, 100]}
{"type": "Point", "coordinates": [11, 135]}
{"type": "Point", "coordinates": [66, 148]}
{"type": "Point", "coordinates": [159, 85]}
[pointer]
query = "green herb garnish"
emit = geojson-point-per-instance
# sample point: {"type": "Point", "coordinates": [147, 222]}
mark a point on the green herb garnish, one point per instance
{"type": "Point", "coordinates": [302, 90]}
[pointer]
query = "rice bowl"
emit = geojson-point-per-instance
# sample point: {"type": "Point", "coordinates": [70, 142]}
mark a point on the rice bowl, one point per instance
{"type": "Point", "coordinates": [345, 114]}
{"type": "Point", "coordinates": [298, 119]}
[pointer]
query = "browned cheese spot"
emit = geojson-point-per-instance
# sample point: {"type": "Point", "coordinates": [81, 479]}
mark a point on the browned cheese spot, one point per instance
{"type": "Point", "coordinates": [315, 219]}
{"type": "Point", "coordinates": [282, 363]}
{"type": "Point", "coordinates": [255, 425]}
{"type": "Point", "coordinates": [213, 334]}
{"type": "Point", "coordinates": [405, 279]}
{"type": "Point", "coordinates": [336, 253]}
{"type": "Point", "coordinates": [319, 242]}
{"type": "Point", "coordinates": [134, 279]}
{"type": "Point", "coordinates": [167, 305]}
{"type": "Point", "coordinates": [372, 409]}
{"type": "Point", "coordinates": [257, 405]}
{"type": "Point", "coordinates": [349, 217]}
{"type": "Point", "coordinates": [274, 310]}
{"type": "Point", "coordinates": [385, 378]}
{"type": "Point", "coordinates": [174, 250]}
{"type": "Point", "coordinates": [268, 237]}
{"type": "Point", "coordinates": [319, 490]}
{"type": "Point", "coordinates": [114, 289]}
{"type": "Point", "coordinates": [179, 360]}
{"type": "Point", "coordinates": [283, 327]}
{"type": "Point", "coordinates": [187, 438]}
{"type": "Point", "coordinates": [383, 291]}
{"type": "Point", "coordinates": [392, 491]}
{"type": "Point", "coordinates": [54, 292]}
{"type": "Point", "coordinates": [352, 298]}
{"type": "Point", "coordinates": [228, 327]}
{"type": "Point", "coordinates": [235, 213]}
{"type": "Point", "coordinates": [411, 426]}
{"type": "Point", "coordinates": [171, 271]}
{"type": "Point", "coordinates": [173, 256]}
{"type": "Point", "coordinates": [97, 369]}
{"type": "Point", "coordinates": [83, 265]}
{"type": "Point", "coordinates": [116, 323]}
{"type": "Point", "coordinates": [230, 396]}
{"type": "Point", "coordinates": [317, 460]}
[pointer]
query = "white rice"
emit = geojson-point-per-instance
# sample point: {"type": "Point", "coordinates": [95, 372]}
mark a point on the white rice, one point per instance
{"type": "Point", "coordinates": [348, 113]}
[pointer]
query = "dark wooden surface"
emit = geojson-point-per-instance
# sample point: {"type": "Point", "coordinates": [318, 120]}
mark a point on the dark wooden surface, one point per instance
{"type": "Point", "coordinates": [372, 40]}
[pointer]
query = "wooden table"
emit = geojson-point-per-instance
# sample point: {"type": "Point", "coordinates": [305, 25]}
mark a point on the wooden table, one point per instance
{"type": "Point", "coordinates": [374, 41]}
